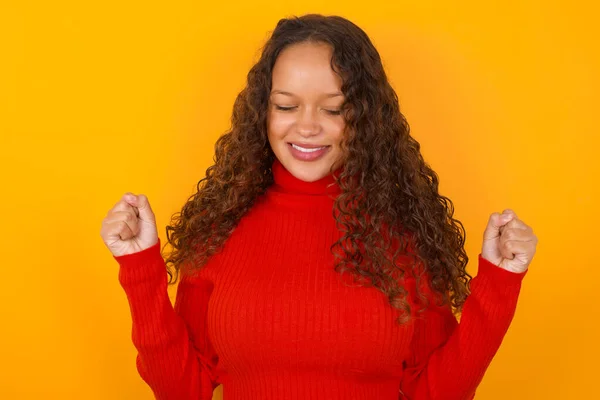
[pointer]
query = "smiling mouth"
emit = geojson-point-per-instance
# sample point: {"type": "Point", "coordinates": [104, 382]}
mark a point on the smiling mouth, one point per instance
{"type": "Point", "coordinates": [307, 149]}
{"type": "Point", "coordinates": [308, 154]}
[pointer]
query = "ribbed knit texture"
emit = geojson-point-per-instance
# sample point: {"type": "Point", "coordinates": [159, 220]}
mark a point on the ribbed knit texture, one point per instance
{"type": "Point", "coordinates": [270, 319]}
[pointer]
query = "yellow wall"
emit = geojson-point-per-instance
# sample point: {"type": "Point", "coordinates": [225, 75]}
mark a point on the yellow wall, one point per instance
{"type": "Point", "coordinates": [97, 100]}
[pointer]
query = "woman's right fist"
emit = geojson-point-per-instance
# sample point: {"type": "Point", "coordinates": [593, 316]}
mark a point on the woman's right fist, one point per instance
{"type": "Point", "coordinates": [130, 226]}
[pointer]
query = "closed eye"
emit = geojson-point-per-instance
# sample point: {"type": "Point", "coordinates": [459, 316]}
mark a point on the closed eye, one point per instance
{"type": "Point", "coordinates": [284, 108]}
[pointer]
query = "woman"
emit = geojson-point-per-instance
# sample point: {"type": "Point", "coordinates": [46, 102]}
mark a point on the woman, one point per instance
{"type": "Point", "coordinates": [317, 259]}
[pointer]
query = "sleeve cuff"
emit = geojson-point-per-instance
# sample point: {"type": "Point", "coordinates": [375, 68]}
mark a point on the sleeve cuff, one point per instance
{"type": "Point", "coordinates": [500, 275]}
{"type": "Point", "coordinates": [144, 265]}
{"type": "Point", "coordinates": [497, 282]}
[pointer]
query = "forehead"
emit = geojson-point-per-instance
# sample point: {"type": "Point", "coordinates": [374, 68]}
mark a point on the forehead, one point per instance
{"type": "Point", "coordinates": [305, 67]}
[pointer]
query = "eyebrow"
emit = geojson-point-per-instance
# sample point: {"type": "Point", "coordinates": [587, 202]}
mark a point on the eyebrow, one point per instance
{"type": "Point", "coordinates": [291, 94]}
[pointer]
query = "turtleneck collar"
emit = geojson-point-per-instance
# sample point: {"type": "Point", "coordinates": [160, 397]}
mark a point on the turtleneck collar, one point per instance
{"type": "Point", "coordinates": [285, 182]}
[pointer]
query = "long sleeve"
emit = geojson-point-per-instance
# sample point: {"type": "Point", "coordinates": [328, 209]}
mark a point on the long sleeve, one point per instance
{"type": "Point", "coordinates": [175, 357]}
{"type": "Point", "coordinates": [448, 359]}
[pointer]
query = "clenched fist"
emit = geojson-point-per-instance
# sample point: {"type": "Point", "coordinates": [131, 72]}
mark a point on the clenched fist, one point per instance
{"type": "Point", "coordinates": [509, 242]}
{"type": "Point", "coordinates": [130, 226]}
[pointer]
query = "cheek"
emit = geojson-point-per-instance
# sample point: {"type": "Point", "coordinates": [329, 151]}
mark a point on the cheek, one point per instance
{"type": "Point", "coordinates": [337, 130]}
{"type": "Point", "coordinates": [278, 126]}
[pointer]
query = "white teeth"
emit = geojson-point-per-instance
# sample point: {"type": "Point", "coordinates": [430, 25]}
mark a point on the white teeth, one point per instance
{"type": "Point", "coordinates": [307, 150]}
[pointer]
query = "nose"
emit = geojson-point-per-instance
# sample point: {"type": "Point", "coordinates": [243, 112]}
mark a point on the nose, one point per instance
{"type": "Point", "coordinates": [308, 123]}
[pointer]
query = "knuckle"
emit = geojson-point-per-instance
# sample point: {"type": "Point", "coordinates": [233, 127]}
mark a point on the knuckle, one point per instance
{"type": "Point", "coordinates": [508, 234]}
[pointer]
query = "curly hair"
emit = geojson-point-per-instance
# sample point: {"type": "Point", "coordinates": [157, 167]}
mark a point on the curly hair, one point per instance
{"type": "Point", "coordinates": [389, 194]}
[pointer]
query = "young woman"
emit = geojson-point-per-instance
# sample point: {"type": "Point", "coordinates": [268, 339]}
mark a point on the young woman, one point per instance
{"type": "Point", "coordinates": [317, 258]}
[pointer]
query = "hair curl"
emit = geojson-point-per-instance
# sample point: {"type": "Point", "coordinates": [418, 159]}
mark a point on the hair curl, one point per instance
{"type": "Point", "coordinates": [388, 192]}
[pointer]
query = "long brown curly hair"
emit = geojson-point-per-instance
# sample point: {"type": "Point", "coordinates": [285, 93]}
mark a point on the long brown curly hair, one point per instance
{"type": "Point", "coordinates": [389, 194]}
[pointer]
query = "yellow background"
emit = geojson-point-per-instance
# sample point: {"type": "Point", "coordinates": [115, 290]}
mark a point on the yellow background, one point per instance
{"type": "Point", "coordinates": [103, 98]}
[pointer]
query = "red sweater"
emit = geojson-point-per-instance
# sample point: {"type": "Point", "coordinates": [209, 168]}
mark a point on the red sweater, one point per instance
{"type": "Point", "coordinates": [270, 319]}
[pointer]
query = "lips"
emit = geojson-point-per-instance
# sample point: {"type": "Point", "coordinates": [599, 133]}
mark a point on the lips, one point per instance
{"type": "Point", "coordinates": [312, 155]}
{"type": "Point", "coordinates": [308, 146]}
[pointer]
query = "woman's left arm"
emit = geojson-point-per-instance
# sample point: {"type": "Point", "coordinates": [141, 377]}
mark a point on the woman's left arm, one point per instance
{"type": "Point", "coordinates": [448, 359]}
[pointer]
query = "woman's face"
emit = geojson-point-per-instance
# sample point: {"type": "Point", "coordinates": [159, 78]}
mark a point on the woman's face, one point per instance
{"type": "Point", "coordinates": [304, 111]}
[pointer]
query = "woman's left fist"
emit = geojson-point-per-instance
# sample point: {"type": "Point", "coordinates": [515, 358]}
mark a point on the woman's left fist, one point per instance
{"type": "Point", "coordinates": [508, 242]}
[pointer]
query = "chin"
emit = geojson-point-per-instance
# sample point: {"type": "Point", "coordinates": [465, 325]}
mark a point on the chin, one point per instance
{"type": "Point", "coordinates": [308, 172]}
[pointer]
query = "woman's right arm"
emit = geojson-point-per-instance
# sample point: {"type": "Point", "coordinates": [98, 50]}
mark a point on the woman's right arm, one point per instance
{"type": "Point", "coordinates": [175, 357]}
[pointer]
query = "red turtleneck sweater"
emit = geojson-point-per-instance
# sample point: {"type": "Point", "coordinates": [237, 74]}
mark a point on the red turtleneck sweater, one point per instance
{"type": "Point", "coordinates": [270, 319]}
